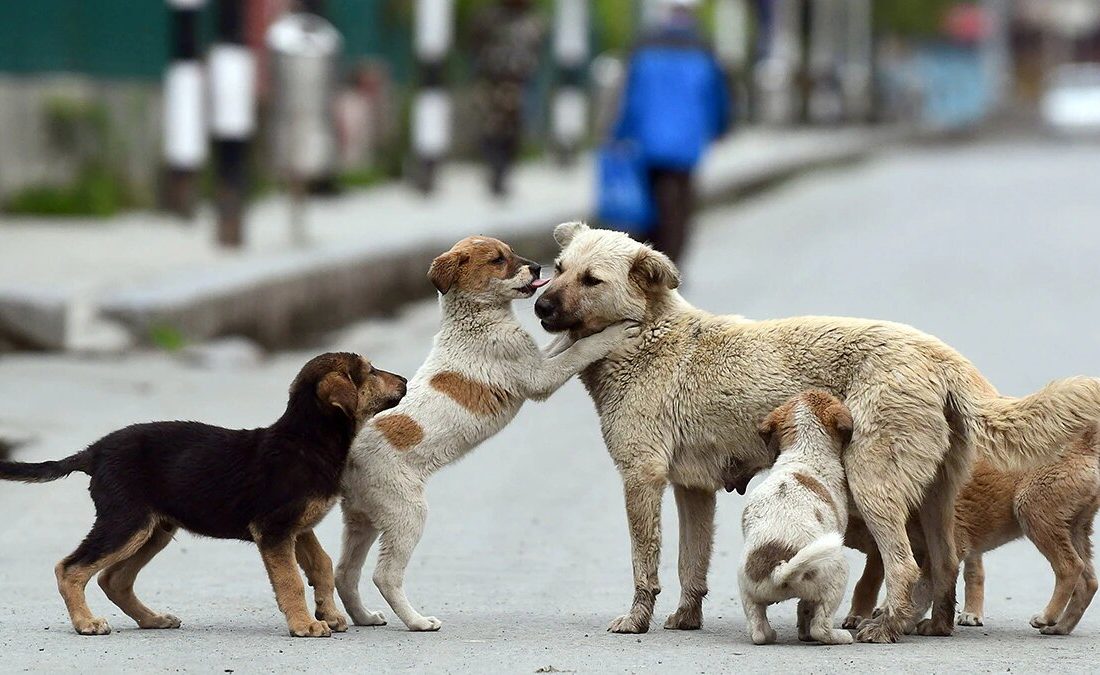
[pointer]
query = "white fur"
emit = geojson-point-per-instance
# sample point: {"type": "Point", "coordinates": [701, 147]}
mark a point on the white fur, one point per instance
{"type": "Point", "coordinates": [782, 511]}
{"type": "Point", "coordinates": [383, 493]}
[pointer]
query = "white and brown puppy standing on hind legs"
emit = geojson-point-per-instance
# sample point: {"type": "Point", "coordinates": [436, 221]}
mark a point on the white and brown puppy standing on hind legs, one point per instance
{"type": "Point", "coordinates": [794, 521]}
{"type": "Point", "coordinates": [481, 369]}
{"type": "Point", "coordinates": [680, 404]}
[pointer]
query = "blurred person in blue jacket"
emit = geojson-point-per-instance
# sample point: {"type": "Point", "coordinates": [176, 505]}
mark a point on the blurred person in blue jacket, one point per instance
{"type": "Point", "coordinates": [675, 102]}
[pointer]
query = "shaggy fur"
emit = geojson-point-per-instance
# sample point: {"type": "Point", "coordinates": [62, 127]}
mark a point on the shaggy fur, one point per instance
{"type": "Point", "coordinates": [794, 521]}
{"type": "Point", "coordinates": [679, 405]}
{"type": "Point", "coordinates": [268, 485]}
{"type": "Point", "coordinates": [1053, 505]}
{"type": "Point", "coordinates": [482, 368]}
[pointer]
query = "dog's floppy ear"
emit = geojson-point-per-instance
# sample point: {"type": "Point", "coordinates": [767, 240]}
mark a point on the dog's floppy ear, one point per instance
{"type": "Point", "coordinates": [444, 270]}
{"type": "Point", "coordinates": [564, 233]}
{"type": "Point", "coordinates": [653, 269]}
{"type": "Point", "coordinates": [337, 389]}
{"type": "Point", "coordinates": [768, 430]}
{"type": "Point", "coordinates": [842, 422]}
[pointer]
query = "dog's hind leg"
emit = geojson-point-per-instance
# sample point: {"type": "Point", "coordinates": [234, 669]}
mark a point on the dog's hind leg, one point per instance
{"type": "Point", "coordinates": [398, 542]}
{"type": "Point", "coordinates": [806, 611]}
{"type": "Point", "coordinates": [318, 568]}
{"type": "Point", "coordinates": [696, 513]}
{"type": "Point", "coordinates": [756, 617]}
{"type": "Point", "coordinates": [865, 594]}
{"type": "Point", "coordinates": [974, 577]}
{"type": "Point", "coordinates": [110, 541]}
{"type": "Point", "coordinates": [359, 535]}
{"type": "Point", "coordinates": [117, 581]}
{"type": "Point", "coordinates": [1087, 584]}
{"type": "Point", "coordinates": [885, 510]}
{"type": "Point", "coordinates": [1053, 540]}
{"type": "Point", "coordinates": [824, 607]}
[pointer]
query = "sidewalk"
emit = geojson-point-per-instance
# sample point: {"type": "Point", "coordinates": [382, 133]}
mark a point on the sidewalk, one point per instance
{"type": "Point", "coordinates": [94, 285]}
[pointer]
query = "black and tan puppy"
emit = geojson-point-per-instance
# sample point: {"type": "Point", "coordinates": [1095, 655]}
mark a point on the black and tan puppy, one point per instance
{"type": "Point", "coordinates": [268, 485]}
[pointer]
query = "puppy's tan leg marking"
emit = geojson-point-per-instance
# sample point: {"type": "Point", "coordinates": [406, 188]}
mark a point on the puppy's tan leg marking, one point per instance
{"type": "Point", "coordinates": [73, 578]}
{"type": "Point", "coordinates": [359, 535]}
{"type": "Point", "coordinates": [117, 581]}
{"type": "Point", "coordinates": [643, 487]}
{"type": "Point", "coordinates": [695, 509]}
{"type": "Point", "coordinates": [885, 510]}
{"type": "Point", "coordinates": [318, 568]}
{"type": "Point", "coordinates": [1086, 587]}
{"type": "Point", "coordinates": [865, 594]}
{"type": "Point", "coordinates": [290, 593]}
{"type": "Point", "coordinates": [974, 577]}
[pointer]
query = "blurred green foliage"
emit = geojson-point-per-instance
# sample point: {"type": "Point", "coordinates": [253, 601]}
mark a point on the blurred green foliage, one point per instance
{"type": "Point", "coordinates": [168, 338]}
{"type": "Point", "coordinates": [912, 18]}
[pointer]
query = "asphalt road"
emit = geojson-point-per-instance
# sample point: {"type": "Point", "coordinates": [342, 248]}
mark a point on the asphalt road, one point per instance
{"type": "Point", "coordinates": [993, 247]}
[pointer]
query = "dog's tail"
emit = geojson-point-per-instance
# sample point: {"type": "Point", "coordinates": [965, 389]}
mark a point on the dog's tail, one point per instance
{"type": "Point", "coordinates": [43, 472]}
{"type": "Point", "coordinates": [816, 552]}
{"type": "Point", "coordinates": [1016, 433]}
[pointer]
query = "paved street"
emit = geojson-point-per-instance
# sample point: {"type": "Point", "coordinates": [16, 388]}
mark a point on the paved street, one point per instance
{"type": "Point", "coordinates": [993, 247]}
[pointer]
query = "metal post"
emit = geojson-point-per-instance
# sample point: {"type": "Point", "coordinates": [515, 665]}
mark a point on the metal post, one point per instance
{"type": "Point", "coordinates": [857, 71]}
{"type": "Point", "coordinates": [570, 107]}
{"type": "Point", "coordinates": [827, 31]}
{"type": "Point", "coordinates": [776, 74]}
{"type": "Point", "coordinates": [731, 44]}
{"type": "Point", "coordinates": [431, 108]}
{"type": "Point", "coordinates": [184, 126]}
{"type": "Point", "coordinates": [233, 119]}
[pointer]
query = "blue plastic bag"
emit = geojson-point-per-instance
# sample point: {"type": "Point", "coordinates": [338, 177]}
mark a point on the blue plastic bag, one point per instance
{"type": "Point", "coordinates": [624, 201]}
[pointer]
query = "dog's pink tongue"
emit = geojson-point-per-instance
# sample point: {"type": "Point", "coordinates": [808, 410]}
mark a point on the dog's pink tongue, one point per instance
{"type": "Point", "coordinates": [538, 283]}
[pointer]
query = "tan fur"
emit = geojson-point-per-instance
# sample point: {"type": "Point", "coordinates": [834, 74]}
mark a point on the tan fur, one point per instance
{"type": "Point", "coordinates": [117, 581]}
{"type": "Point", "coordinates": [478, 398]}
{"type": "Point", "coordinates": [317, 566]}
{"type": "Point", "coordinates": [683, 400]}
{"type": "Point", "coordinates": [282, 569]}
{"type": "Point", "coordinates": [72, 580]}
{"type": "Point", "coordinates": [814, 485]}
{"type": "Point", "coordinates": [472, 263]}
{"type": "Point", "coordinates": [401, 431]}
{"type": "Point", "coordinates": [1053, 505]}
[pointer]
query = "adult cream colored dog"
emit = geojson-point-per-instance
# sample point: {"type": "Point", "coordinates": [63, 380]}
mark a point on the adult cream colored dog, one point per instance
{"type": "Point", "coordinates": [679, 405]}
{"type": "Point", "coordinates": [482, 368]}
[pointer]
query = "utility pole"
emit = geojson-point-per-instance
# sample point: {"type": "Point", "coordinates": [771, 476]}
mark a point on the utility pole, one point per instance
{"type": "Point", "coordinates": [184, 125]}
{"type": "Point", "coordinates": [776, 73]}
{"type": "Point", "coordinates": [233, 119]}
{"type": "Point", "coordinates": [431, 107]}
{"type": "Point", "coordinates": [857, 70]}
{"type": "Point", "coordinates": [570, 107]}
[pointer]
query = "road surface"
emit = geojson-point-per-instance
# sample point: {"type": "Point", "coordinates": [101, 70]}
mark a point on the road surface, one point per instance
{"type": "Point", "coordinates": [993, 247]}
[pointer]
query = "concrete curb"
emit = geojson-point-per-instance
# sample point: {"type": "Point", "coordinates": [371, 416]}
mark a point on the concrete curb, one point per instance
{"type": "Point", "coordinates": [283, 299]}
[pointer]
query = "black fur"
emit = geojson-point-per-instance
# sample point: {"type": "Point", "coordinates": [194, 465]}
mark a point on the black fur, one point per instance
{"type": "Point", "coordinates": [219, 482]}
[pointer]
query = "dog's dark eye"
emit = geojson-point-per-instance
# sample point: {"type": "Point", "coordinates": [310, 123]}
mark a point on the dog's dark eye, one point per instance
{"type": "Point", "coordinates": [558, 268]}
{"type": "Point", "coordinates": [499, 260]}
{"type": "Point", "coordinates": [589, 280]}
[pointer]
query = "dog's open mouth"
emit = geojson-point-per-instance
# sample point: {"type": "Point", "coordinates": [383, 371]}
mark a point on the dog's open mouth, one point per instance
{"type": "Point", "coordinates": [530, 288]}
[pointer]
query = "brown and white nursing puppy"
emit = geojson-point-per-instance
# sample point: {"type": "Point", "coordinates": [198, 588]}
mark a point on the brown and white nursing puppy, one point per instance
{"type": "Point", "coordinates": [794, 521]}
{"type": "Point", "coordinates": [481, 369]}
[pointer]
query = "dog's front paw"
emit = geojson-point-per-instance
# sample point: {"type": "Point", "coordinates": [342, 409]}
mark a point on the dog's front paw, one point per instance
{"type": "Point", "coordinates": [970, 619]}
{"type": "Point", "coordinates": [1040, 620]}
{"type": "Point", "coordinates": [311, 628]}
{"type": "Point", "coordinates": [93, 626]}
{"type": "Point", "coordinates": [837, 637]}
{"type": "Point", "coordinates": [852, 621]}
{"type": "Point", "coordinates": [1053, 630]}
{"type": "Point", "coordinates": [629, 623]}
{"type": "Point", "coordinates": [426, 624]}
{"type": "Point", "coordinates": [161, 621]}
{"type": "Point", "coordinates": [685, 618]}
{"type": "Point", "coordinates": [368, 619]}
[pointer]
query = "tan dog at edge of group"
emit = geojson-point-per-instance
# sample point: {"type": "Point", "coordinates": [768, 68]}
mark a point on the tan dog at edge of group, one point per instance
{"type": "Point", "coordinates": [1053, 505]}
{"type": "Point", "coordinates": [679, 405]}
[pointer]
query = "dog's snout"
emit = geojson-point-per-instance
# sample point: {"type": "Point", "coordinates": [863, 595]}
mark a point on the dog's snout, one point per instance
{"type": "Point", "coordinates": [545, 307]}
{"type": "Point", "coordinates": [536, 269]}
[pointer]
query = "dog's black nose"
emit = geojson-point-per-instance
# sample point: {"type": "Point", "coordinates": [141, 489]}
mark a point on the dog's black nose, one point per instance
{"type": "Point", "coordinates": [545, 307]}
{"type": "Point", "coordinates": [536, 269]}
